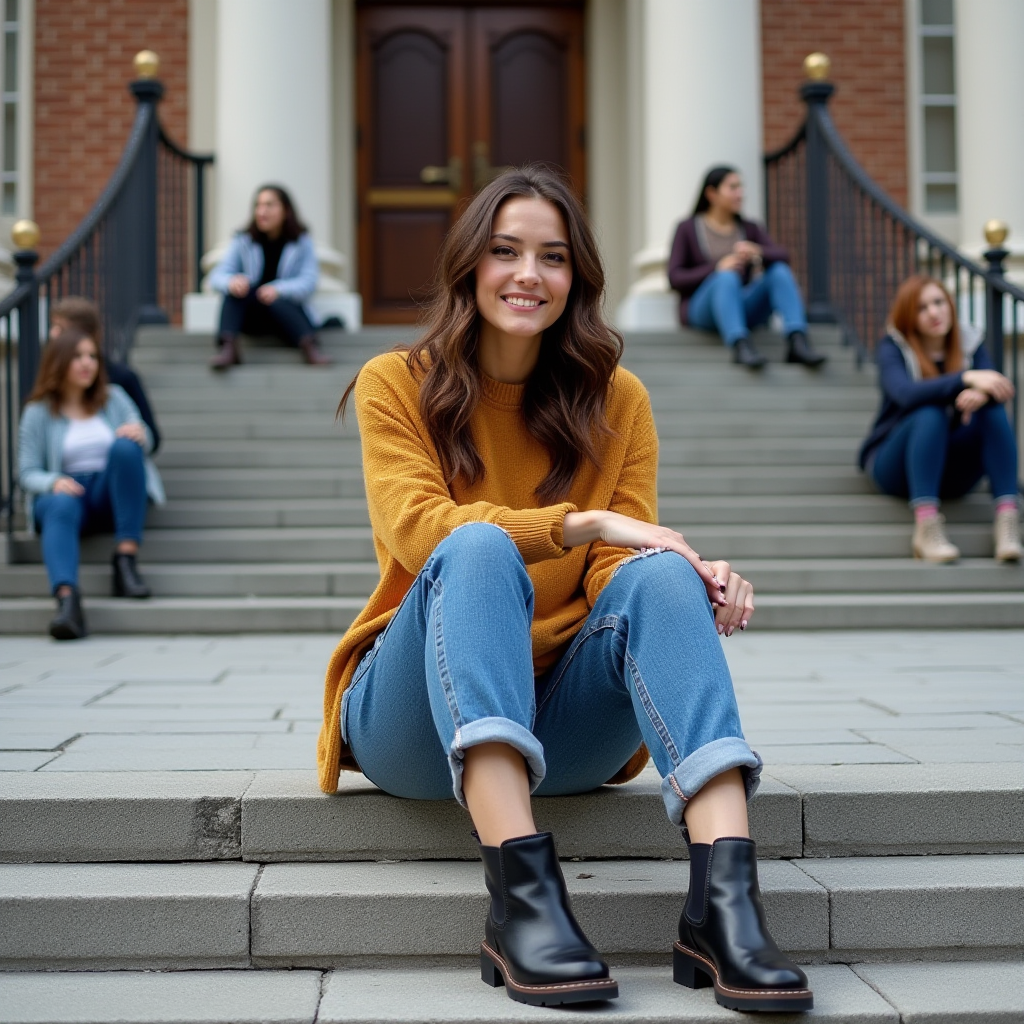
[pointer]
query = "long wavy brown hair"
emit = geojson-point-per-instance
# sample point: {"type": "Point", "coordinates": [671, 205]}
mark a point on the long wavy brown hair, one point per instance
{"type": "Point", "coordinates": [51, 380]}
{"type": "Point", "coordinates": [565, 399]}
{"type": "Point", "coordinates": [903, 316]}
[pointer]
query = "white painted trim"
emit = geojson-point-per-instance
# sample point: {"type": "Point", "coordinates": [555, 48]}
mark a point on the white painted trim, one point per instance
{"type": "Point", "coordinates": [343, 131]}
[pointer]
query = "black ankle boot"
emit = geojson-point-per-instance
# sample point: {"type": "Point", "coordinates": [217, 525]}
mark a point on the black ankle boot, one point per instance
{"type": "Point", "coordinates": [799, 350]}
{"type": "Point", "coordinates": [723, 937]}
{"type": "Point", "coordinates": [745, 353]}
{"type": "Point", "coordinates": [532, 943]}
{"type": "Point", "coordinates": [69, 622]}
{"type": "Point", "coordinates": [127, 581]}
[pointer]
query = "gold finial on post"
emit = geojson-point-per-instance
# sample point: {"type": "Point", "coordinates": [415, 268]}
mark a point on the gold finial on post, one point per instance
{"type": "Point", "coordinates": [817, 67]}
{"type": "Point", "coordinates": [996, 232]}
{"type": "Point", "coordinates": [25, 234]}
{"type": "Point", "coordinates": [147, 64]}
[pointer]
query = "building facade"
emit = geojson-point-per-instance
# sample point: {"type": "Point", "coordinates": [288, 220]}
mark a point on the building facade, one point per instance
{"type": "Point", "coordinates": [383, 118]}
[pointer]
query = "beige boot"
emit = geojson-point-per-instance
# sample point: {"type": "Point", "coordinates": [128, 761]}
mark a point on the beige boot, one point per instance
{"type": "Point", "coordinates": [931, 542]}
{"type": "Point", "coordinates": [1006, 531]}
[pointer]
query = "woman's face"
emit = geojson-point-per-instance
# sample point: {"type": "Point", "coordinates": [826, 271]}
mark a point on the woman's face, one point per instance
{"type": "Point", "coordinates": [523, 280]}
{"type": "Point", "coordinates": [934, 317]}
{"type": "Point", "coordinates": [269, 212]}
{"type": "Point", "coordinates": [728, 197]}
{"type": "Point", "coordinates": [84, 366]}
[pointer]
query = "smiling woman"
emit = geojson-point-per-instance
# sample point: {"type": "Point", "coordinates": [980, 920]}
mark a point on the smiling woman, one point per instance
{"type": "Point", "coordinates": [520, 639]}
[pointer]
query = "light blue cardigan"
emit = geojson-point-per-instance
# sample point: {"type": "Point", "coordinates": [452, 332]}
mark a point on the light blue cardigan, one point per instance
{"type": "Point", "coordinates": [41, 446]}
{"type": "Point", "coordinates": [297, 270]}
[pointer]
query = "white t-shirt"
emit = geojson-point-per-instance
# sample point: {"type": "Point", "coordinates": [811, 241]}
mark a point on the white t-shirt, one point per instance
{"type": "Point", "coordinates": [87, 446]}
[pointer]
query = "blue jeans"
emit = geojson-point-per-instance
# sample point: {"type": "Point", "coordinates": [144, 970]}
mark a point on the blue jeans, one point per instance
{"type": "Point", "coordinates": [723, 303]}
{"type": "Point", "coordinates": [454, 669]}
{"type": "Point", "coordinates": [114, 499]}
{"type": "Point", "coordinates": [925, 458]}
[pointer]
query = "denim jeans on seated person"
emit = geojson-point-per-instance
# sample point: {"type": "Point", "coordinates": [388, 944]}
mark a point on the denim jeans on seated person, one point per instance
{"type": "Point", "coordinates": [925, 458]}
{"type": "Point", "coordinates": [454, 669]}
{"type": "Point", "coordinates": [283, 318]}
{"type": "Point", "coordinates": [723, 303]}
{"type": "Point", "coordinates": [114, 499]}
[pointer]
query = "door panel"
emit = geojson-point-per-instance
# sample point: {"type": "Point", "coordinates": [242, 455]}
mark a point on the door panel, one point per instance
{"type": "Point", "coordinates": [446, 97]}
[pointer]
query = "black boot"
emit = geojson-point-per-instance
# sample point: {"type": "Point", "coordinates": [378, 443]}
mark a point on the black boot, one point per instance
{"type": "Point", "coordinates": [723, 936]}
{"type": "Point", "coordinates": [127, 581]}
{"type": "Point", "coordinates": [744, 353]}
{"type": "Point", "coordinates": [229, 353]}
{"type": "Point", "coordinates": [799, 350]}
{"type": "Point", "coordinates": [312, 353]}
{"type": "Point", "coordinates": [69, 622]}
{"type": "Point", "coordinates": [532, 943]}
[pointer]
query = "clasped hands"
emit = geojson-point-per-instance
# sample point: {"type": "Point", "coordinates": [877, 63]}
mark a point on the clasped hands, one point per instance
{"type": "Point", "coordinates": [730, 594]}
{"type": "Point", "coordinates": [239, 287]}
{"type": "Point", "coordinates": [69, 485]}
{"type": "Point", "coordinates": [981, 386]}
{"type": "Point", "coordinates": [743, 252]}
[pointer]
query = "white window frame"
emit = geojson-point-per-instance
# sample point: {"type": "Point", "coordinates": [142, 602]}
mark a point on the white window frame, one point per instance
{"type": "Point", "coordinates": [24, 98]}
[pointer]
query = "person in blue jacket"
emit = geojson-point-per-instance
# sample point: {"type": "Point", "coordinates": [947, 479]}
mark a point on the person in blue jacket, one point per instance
{"type": "Point", "coordinates": [942, 425]}
{"type": "Point", "coordinates": [267, 276]}
{"type": "Point", "coordinates": [83, 466]}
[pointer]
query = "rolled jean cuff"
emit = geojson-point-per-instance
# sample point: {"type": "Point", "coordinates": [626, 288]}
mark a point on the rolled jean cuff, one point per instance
{"type": "Point", "coordinates": [718, 756]}
{"type": "Point", "coordinates": [496, 730]}
{"type": "Point", "coordinates": [917, 502]}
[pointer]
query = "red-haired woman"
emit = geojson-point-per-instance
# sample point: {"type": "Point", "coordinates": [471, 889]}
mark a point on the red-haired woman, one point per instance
{"type": "Point", "coordinates": [942, 424]}
{"type": "Point", "coordinates": [534, 630]}
{"type": "Point", "coordinates": [82, 465]}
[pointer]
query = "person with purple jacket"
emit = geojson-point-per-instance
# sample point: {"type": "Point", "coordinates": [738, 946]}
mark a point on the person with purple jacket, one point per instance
{"type": "Point", "coordinates": [732, 276]}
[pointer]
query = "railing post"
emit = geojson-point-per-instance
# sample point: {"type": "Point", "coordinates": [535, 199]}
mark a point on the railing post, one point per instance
{"type": "Point", "coordinates": [995, 234]}
{"type": "Point", "coordinates": [148, 91]}
{"type": "Point", "coordinates": [816, 93]}
{"type": "Point", "coordinates": [25, 236]}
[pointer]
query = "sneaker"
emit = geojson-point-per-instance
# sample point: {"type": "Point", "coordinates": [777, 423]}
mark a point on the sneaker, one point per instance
{"type": "Point", "coordinates": [1006, 530]}
{"type": "Point", "coordinates": [931, 543]}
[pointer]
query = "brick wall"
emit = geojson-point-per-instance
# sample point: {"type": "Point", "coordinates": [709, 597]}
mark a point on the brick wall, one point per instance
{"type": "Point", "coordinates": [83, 110]}
{"type": "Point", "coordinates": [865, 41]}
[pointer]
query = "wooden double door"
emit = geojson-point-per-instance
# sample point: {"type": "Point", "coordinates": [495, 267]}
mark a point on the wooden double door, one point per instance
{"type": "Point", "coordinates": [447, 96]}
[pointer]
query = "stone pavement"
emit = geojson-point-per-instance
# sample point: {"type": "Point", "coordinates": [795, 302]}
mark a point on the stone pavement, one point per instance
{"type": "Point", "coordinates": [253, 702]}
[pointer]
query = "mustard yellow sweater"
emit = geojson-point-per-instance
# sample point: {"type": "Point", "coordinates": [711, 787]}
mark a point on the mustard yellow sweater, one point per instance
{"type": "Point", "coordinates": [412, 510]}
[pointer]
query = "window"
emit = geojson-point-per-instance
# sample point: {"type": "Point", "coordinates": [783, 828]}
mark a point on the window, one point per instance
{"type": "Point", "coordinates": [938, 103]}
{"type": "Point", "coordinates": [9, 145]}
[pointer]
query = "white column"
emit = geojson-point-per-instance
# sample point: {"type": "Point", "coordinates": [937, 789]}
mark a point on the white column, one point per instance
{"type": "Point", "coordinates": [990, 84]}
{"type": "Point", "coordinates": [699, 104]}
{"type": "Point", "coordinates": [273, 114]}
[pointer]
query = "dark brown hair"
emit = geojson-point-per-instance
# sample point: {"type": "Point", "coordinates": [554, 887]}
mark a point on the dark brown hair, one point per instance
{"type": "Point", "coordinates": [903, 316]}
{"type": "Point", "coordinates": [566, 394]}
{"type": "Point", "coordinates": [291, 230]}
{"type": "Point", "coordinates": [78, 312]}
{"type": "Point", "coordinates": [713, 179]}
{"type": "Point", "coordinates": [58, 354]}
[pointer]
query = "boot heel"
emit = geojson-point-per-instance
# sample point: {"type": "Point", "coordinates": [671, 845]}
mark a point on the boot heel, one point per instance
{"type": "Point", "coordinates": [489, 973]}
{"type": "Point", "coordinates": [687, 971]}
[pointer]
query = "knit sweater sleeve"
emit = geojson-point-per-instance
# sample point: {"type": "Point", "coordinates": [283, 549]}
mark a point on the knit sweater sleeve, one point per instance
{"type": "Point", "coordinates": [411, 508]}
{"type": "Point", "coordinates": [635, 495]}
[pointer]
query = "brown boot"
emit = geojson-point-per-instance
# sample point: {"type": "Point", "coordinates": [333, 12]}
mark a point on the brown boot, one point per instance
{"type": "Point", "coordinates": [312, 352]}
{"type": "Point", "coordinates": [931, 542]}
{"type": "Point", "coordinates": [1006, 530]}
{"type": "Point", "coordinates": [228, 354]}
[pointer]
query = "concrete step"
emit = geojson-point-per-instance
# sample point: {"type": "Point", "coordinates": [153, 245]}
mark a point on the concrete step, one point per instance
{"type": "Point", "coordinates": [233, 914]}
{"type": "Point", "coordinates": [850, 810]}
{"type": "Point", "coordinates": [984, 993]}
{"type": "Point", "coordinates": [357, 579]}
{"type": "Point", "coordinates": [353, 543]}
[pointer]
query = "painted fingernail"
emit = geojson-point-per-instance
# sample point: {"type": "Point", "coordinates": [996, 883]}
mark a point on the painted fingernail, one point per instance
{"type": "Point", "coordinates": [743, 624]}
{"type": "Point", "coordinates": [721, 629]}
{"type": "Point", "coordinates": [730, 631]}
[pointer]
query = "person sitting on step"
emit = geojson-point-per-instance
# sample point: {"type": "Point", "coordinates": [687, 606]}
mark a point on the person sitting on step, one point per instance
{"type": "Point", "coordinates": [77, 311]}
{"type": "Point", "coordinates": [82, 465]}
{"type": "Point", "coordinates": [731, 276]}
{"type": "Point", "coordinates": [534, 629]}
{"type": "Point", "coordinates": [267, 276]}
{"type": "Point", "coordinates": [942, 423]}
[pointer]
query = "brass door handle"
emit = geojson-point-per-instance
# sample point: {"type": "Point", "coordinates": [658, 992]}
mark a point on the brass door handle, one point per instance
{"type": "Point", "coordinates": [450, 175]}
{"type": "Point", "coordinates": [483, 172]}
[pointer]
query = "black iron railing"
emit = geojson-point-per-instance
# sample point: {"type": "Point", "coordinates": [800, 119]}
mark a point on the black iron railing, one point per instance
{"type": "Point", "coordinates": [136, 254]}
{"type": "Point", "coordinates": [852, 244]}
